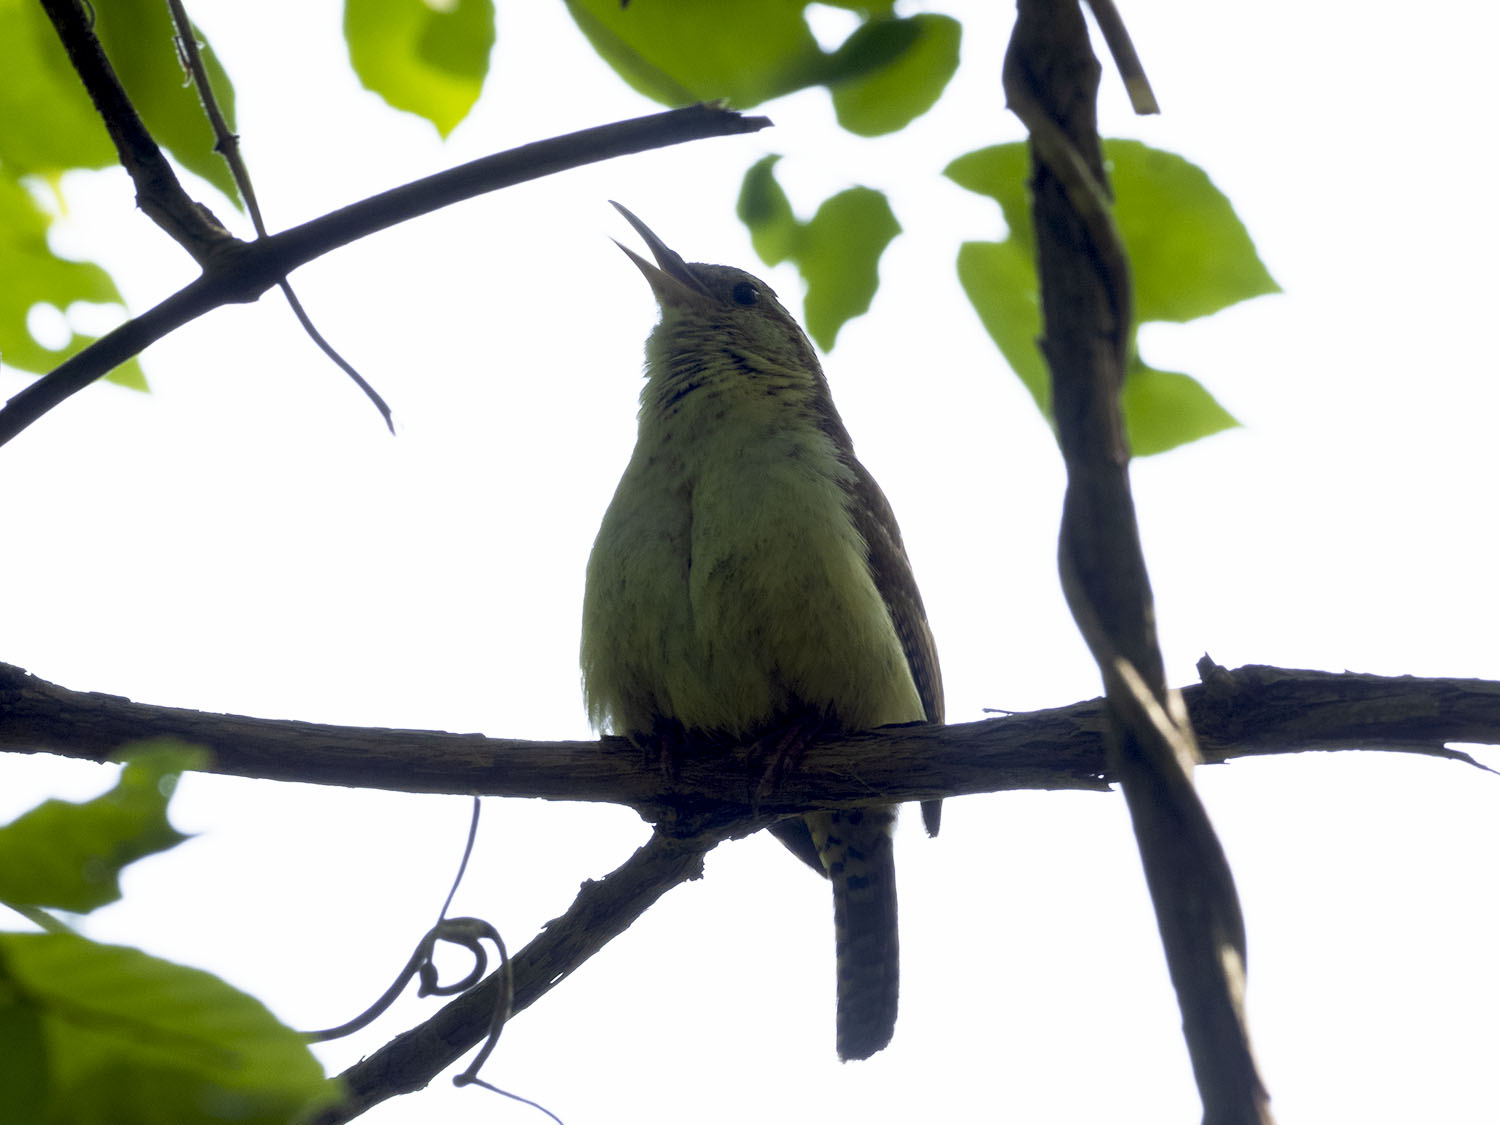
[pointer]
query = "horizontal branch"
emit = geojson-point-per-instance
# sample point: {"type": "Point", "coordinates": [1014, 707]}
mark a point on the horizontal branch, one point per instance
{"type": "Point", "coordinates": [239, 272]}
{"type": "Point", "coordinates": [1249, 711]}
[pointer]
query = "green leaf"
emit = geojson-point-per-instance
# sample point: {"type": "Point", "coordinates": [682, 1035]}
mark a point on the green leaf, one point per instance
{"type": "Point", "coordinates": [1001, 284]}
{"type": "Point", "coordinates": [23, 1058]}
{"type": "Point", "coordinates": [839, 255]}
{"type": "Point", "coordinates": [1165, 409]}
{"type": "Point", "coordinates": [426, 58]}
{"type": "Point", "coordinates": [1190, 256]}
{"type": "Point", "coordinates": [871, 47]}
{"type": "Point", "coordinates": [875, 8]}
{"type": "Point", "coordinates": [886, 73]}
{"type": "Point", "coordinates": [70, 133]}
{"type": "Point", "coordinates": [767, 213]}
{"type": "Point", "coordinates": [137, 36]}
{"type": "Point", "coordinates": [134, 1040]}
{"type": "Point", "coordinates": [68, 855]}
{"type": "Point", "coordinates": [698, 50]}
{"type": "Point", "coordinates": [897, 69]}
{"type": "Point", "coordinates": [837, 251]}
{"type": "Point", "coordinates": [35, 275]}
{"type": "Point", "coordinates": [1000, 172]}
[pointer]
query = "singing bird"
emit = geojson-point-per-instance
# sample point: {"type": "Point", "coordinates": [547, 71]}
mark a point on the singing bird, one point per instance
{"type": "Point", "coordinates": [749, 584]}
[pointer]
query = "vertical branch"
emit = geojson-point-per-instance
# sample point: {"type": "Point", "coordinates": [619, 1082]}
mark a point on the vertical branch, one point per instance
{"type": "Point", "coordinates": [1051, 78]}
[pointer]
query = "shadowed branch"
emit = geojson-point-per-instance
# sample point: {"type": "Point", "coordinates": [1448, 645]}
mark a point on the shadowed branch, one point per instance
{"type": "Point", "coordinates": [1247, 712]}
{"type": "Point", "coordinates": [239, 272]}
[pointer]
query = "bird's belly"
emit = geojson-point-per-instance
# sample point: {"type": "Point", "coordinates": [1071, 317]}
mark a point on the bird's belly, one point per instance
{"type": "Point", "coordinates": [739, 600]}
{"type": "Point", "coordinates": [636, 617]}
{"type": "Point", "coordinates": [781, 611]}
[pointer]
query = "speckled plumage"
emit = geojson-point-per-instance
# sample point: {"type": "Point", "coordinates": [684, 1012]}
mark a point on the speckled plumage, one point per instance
{"type": "Point", "coordinates": [749, 576]}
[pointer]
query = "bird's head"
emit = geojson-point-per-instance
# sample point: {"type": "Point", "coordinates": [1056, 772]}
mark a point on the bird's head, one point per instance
{"type": "Point", "coordinates": [709, 309]}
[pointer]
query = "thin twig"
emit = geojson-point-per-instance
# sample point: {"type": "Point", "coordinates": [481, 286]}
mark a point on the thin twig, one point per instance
{"type": "Point", "coordinates": [226, 142]}
{"type": "Point", "coordinates": [460, 931]}
{"type": "Point", "coordinates": [1117, 38]}
{"type": "Point", "coordinates": [328, 349]}
{"type": "Point", "coordinates": [227, 145]}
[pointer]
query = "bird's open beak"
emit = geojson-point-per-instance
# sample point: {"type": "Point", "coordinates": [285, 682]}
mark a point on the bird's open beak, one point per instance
{"type": "Point", "coordinates": [670, 279]}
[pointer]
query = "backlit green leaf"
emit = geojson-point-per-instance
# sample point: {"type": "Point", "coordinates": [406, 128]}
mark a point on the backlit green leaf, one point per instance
{"type": "Point", "coordinates": [698, 50]}
{"type": "Point", "coordinates": [427, 59]}
{"type": "Point", "coordinates": [916, 58]}
{"type": "Point", "coordinates": [873, 7]}
{"type": "Point", "coordinates": [1190, 256]}
{"type": "Point", "coordinates": [837, 251]}
{"type": "Point", "coordinates": [839, 255]}
{"type": "Point", "coordinates": [1165, 409]}
{"type": "Point", "coordinates": [68, 855]}
{"type": "Point", "coordinates": [765, 210]}
{"type": "Point", "coordinates": [23, 1058]}
{"type": "Point", "coordinates": [129, 1038]}
{"type": "Point", "coordinates": [999, 171]}
{"type": "Point", "coordinates": [137, 36]}
{"type": "Point", "coordinates": [886, 73]}
{"type": "Point", "coordinates": [1189, 253]}
{"type": "Point", "coordinates": [70, 134]}
{"type": "Point", "coordinates": [1001, 284]}
{"type": "Point", "coordinates": [34, 275]}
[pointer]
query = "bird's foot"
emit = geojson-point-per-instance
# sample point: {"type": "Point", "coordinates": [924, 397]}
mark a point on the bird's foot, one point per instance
{"type": "Point", "coordinates": [778, 752]}
{"type": "Point", "coordinates": [662, 750]}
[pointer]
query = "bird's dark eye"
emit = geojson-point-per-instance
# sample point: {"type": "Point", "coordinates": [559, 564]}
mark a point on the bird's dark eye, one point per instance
{"type": "Point", "coordinates": [745, 293]}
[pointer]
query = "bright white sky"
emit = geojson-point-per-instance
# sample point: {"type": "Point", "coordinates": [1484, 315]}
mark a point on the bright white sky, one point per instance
{"type": "Point", "coordinates": [249, 539]}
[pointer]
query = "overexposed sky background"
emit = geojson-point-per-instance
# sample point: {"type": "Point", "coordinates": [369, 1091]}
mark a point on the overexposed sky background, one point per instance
{"type": "Point", "coordinates": [249, 539]}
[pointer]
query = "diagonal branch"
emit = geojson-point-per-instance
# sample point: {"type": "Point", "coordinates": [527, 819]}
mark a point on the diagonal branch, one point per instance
{"type": "Point", "coordinates": [603, 910]}
{"type": "Point", "coordinates": [226, 143]}
{"type": "Point", "coordinates": [241, 272]}
{"type": "Point", "coordinates": [223, 257]}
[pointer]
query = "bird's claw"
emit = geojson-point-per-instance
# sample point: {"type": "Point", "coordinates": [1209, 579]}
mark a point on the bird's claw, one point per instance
{"type": "Point", "coordinates": [777, 753]}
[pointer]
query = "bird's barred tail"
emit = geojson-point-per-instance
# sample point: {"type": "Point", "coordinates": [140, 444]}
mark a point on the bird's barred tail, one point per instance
{"type": "Point", "coordinates": [856, 849]}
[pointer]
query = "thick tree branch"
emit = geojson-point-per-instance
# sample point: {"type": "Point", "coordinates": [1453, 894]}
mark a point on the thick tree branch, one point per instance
{"type": "Point", "coordinates": [240, 272]}
{"type": "Point", "coordinates": [1251, 711]}
{"type": "Point", "coordinates": [1051, 78]}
